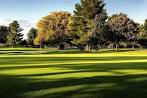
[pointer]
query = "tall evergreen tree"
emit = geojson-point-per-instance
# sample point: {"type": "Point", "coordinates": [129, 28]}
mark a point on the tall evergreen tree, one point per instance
{"type": "Point", "coordinates": [89, 19]}
{"type": "Point", "coordinates": [14, 36]}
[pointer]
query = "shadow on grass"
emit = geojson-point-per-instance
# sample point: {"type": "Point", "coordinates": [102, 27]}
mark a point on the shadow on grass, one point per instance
{"type": "Point", "coordinates": [113, 86]}
{"type": "Point", "coordinates": [67, 60]}
{"type": "Point", "coordinates": [131, 86]}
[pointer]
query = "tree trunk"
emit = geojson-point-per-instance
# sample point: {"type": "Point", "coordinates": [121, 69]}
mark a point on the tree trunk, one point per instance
{"type": "Point", "coordinates": [133, 47]}
{"type": "Point", "coordinates": [97, 48]}
{"type": "Point", "coordinates": [61, 47]}
{"type": "Point", "coordinates": [45, 46]}
{"type": "Point", "coordinates": [82, 48]}
{"type": "Point", "coordinates": [116, 48]}
{"type": "Point", "coordinates": [139, 46]}
{"type": "Point", "coordinates": [12, 46]}
{"type": "Point", "coordinates": [40, 46]}
{"type": "Point", "coordinates": [88, 48]}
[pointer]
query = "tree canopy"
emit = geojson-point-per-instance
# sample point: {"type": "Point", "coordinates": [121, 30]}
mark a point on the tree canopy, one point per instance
{"type": "Point", "coordinates": [54, 28]}
{"type": "Point", "coordinates": [122, 28]}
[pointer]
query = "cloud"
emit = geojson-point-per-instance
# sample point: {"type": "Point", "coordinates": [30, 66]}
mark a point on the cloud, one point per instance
{"type": "Point", "coordinates": [26, 25]}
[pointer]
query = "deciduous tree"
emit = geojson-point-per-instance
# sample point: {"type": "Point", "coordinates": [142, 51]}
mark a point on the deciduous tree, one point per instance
{"type": "Point", "coordinates": [122, 28]}
{"type": "Point", "coordinates": [54, 29]}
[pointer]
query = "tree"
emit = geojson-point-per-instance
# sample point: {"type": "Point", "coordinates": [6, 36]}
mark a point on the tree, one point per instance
{"type": "Point", "coordinates": [54, 29]}
{"type": "Point", "coordinates": [142, 40]}
{"type": "Point", "coordinates": [31, 36]}
{"type": "Point", "coordinates": [23, 42]}
{"type": "Point", "coordinates": [123, 29]}
{"type": "Point", "coordinates": [88, 21]}
{"type": "Point", "coordinates": [3, 34]}
{"type": "Point", "coordinates": [14, 36]}
{"type": "Point", "coordinates": [145, 25]}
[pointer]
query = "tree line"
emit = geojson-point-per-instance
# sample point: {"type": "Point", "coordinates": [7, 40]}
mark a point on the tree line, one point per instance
{"type": "Point", "coordinates": [88, 27]}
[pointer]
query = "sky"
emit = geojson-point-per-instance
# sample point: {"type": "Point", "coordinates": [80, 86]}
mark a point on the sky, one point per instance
{"type": "Point", "coordinates": [28, 12]}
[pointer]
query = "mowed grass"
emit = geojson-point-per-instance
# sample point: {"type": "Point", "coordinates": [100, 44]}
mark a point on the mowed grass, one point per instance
{"type": "Point", "coordinates": [31, 73]}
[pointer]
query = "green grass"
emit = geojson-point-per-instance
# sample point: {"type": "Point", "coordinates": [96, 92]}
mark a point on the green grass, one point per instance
{"type": "Point", "coordinates": [31, 73]}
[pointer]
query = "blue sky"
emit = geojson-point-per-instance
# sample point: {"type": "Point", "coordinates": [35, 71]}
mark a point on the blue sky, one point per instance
{"type": "Point", "coordinates": [28, 12]}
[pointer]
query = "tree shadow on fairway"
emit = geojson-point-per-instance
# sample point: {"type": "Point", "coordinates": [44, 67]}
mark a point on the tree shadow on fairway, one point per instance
{"type": "Point", "coordinates": [103, 87]}
{"type": "Point", "coordinates": [130, 86]}
{"type": "Point", "coordinates": [48, 61]}
{"type": "Point", "coordinates": [126, 80]}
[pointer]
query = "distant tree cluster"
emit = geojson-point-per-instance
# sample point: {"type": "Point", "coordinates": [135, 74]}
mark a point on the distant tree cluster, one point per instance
{"type": "Point", "coordinates": [88, 27]}
{"type": "Point", "coordinates": [11, 35]}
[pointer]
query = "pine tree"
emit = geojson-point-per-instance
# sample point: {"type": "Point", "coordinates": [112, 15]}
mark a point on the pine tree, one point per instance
{"type": "Point", "coordinates": [14, 36]}
{"type": "Point", "coordinates": [89, 18]}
